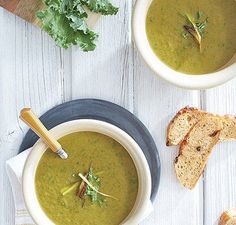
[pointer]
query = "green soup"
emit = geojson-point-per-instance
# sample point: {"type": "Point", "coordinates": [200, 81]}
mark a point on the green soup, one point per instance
{"type": "Point", "coordinates": [176, 47]}
{"type": "Point", "coordinates": [110, 163]}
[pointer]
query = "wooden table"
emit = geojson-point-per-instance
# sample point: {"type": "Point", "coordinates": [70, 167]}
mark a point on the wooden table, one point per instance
{"type": "Point", "coordinates": [36, 73]}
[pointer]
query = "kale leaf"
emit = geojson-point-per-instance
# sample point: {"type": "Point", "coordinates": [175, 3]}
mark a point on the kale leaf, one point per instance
{"type": "Point", "coordinates": [64, 21]}
{"type": "Point", "coordinates": [101, 6]}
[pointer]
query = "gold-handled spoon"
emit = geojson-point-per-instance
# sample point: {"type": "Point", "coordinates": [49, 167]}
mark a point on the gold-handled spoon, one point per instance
{"type": "Point", "coordinates": [36, 125]}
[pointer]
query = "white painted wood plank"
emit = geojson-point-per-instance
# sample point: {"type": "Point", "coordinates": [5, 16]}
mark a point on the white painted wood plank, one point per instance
{"type": "Point", "coordinates": [30, 75]}
{"type": "Point", "coordinates": [106, 73]}
{"type": "Point", "coordinates": [66, 72]}
{"type": "Point", "coordinates": [220, 179]}
{"type": "Point", "coordinates": [155, 103]}
{"type": "Point", "coordinates": [7, 113]}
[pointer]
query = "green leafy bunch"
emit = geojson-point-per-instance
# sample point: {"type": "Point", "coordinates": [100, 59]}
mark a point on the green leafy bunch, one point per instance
{"type": "Point", "coordinates": [64, 21]}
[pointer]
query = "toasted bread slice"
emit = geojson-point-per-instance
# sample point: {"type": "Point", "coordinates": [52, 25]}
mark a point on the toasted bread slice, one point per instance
{"type": "Point", "coordinates": [228, 217]}
{"type": "Point", "coordinates": [229, 128]}
{"type": "Point", "coordinates": [195, 150]}
{"type": "Point", "coordinates": [180, 125]}
{"type": "Point", "coordinates": [187, 117]}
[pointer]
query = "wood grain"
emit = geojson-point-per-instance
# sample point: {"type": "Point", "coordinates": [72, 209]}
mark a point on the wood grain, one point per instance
{"type": "Point", "coordinates": [9, 5]}
{"type": "Point", "coordinates": [26, 9]}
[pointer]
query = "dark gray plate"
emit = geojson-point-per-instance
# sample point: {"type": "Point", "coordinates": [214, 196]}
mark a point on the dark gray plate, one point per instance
{"type": "Point", "coordinates": [108, 112]}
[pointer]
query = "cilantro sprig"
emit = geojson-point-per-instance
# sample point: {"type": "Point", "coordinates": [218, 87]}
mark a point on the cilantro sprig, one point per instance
{"type": "Point", "coordinates": [64, 21]}
{"type": "Point", "coordinates": [91, 193]}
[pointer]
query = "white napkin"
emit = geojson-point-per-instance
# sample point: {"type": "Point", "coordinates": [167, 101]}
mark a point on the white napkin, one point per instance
{"type": "Point", "coordinates": [14, 168]}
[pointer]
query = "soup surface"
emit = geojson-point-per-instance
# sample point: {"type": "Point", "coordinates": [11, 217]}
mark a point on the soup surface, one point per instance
{"type": "Point", "coordinates": [109, 161]}
{"type": "Point", "coordinates": [167, 27]}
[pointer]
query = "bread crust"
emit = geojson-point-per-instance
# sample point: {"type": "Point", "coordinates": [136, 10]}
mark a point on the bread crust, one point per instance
{"type": "Point", "coordinates": [228, 217]}
{"type": "Point", "coordinates": [182, 111]}
{"type": "Point", "coordinates": [229, 128]}
{"type": "Point", "coordinates": [224, 218]}
{"type": "Point", "coordinates": [191, 161]}
{"type": "Point", "coordinates": [228, 132]}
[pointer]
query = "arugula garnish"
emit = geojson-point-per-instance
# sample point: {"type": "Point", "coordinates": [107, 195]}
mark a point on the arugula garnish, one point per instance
{"type": "Point", "coordinates": [64, 21]}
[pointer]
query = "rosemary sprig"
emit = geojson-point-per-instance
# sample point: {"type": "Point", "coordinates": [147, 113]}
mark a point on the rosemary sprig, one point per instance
{"type": "Point", "coordinates": [195, 27]}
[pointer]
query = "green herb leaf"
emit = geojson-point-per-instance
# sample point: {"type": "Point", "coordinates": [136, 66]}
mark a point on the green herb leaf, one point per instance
{"type": "Point", "coordinates": [95, 181]}
{"type": "Point", "coordinates": [199, 15]}
{"type": "Point", "coordinates": [40, 14]}
{"type": "Point", "coordinates": [195, 28]}
{"type": "Point", "coordinates": [77, 23]}
{"type": "Point", "coordinates": [185, 35]}
{"type": "Point", "coordinates": [88, 187]}
{"type": "Point", "coordinates": [201, 26]}
{"type": "Point", "coordinates": [93, 187]}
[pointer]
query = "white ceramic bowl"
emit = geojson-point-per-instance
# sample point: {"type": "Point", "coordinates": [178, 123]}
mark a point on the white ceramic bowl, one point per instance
{"type": "Point", "coordinates": [142, 205]}
{"type": "Point", "coordinates": [179, 79]}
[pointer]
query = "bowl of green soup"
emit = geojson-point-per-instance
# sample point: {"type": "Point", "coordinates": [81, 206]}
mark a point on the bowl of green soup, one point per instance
{"type": "Point", "coordinates": [189, 43]}
{"type": "Point", "coordinates": [105, 180]}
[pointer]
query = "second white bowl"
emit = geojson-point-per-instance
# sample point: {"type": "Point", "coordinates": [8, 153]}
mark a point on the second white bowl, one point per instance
{"type": "Point", "coordinates": [161, 69]}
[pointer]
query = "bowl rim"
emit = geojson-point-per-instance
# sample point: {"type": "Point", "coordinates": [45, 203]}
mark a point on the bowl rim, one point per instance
{"type": "Point", "coordinates": [188, 81]}
{"type": "Point", "coordinates": [142, 203]}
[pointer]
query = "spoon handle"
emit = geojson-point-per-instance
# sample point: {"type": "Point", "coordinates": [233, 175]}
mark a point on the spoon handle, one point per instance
{"type": "Point", "coordinates": [36, 125]}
